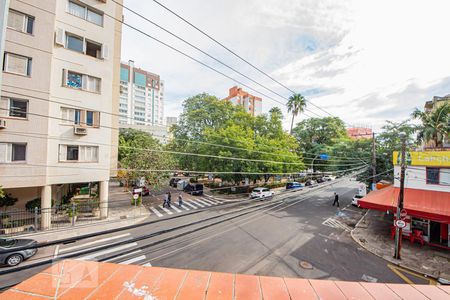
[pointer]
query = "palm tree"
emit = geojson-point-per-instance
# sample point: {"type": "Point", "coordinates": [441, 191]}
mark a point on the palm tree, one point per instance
{"type": "Point", "coordinates": [296, 105]}
{"type": "Point", "coordinates": [435, 124]}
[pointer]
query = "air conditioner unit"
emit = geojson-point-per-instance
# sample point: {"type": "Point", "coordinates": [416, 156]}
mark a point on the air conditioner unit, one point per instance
{"type": "Point", "coordinates": [2, 123]}
{"type": "Point", "coordinates": [79, 130]}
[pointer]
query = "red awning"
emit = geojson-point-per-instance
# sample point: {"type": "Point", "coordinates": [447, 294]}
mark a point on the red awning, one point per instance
{"type": "Point", "coordinates": [431, 205]}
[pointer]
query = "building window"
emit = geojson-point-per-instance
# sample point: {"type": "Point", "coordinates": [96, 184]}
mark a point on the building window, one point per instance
{"type": "Point", "coordinates": [85, 12]}
{"type": "Point", "coordinates": [80, 117]}
{"type": "Point", "coordinates": [74, 43]}
{"type": "Point", "coordinates": [17, 64]}
{"type": "Point", "coordinates": [78, 153]}
{"type": "Point", "coordinates": [12, 152]}
{"type": "Point", "coordinates": [432, 175]}
{"type": "Point", "coordinates": [18, 108]}
{"type": "Point", "coordinates": [81, 81]}
{"type": "Point", "coordinates": [82, 45]}
{"type": "Point", "coordinates": [20, 22]}
{"type": "Point", "coordinates": [93, 49]}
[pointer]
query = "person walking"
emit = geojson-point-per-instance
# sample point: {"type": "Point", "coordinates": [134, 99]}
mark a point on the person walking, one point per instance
{"type": "Point", "coordinates": [169, 198]}
{"type": "Point", "coordinates": [180, 200]}
{"type": "Point", "coordinates": [336, 199]}
{"type": "Point", "coordinates": [166, 199]}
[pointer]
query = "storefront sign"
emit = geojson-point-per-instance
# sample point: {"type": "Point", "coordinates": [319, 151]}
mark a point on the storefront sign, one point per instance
{"type": "Point", "coordinates": [400, 224]}
{"type": "Point", "coordinates": [425, 158]}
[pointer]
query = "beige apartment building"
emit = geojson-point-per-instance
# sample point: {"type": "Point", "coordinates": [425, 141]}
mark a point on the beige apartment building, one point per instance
{"type": "Point", "coordinates": [59, 98]}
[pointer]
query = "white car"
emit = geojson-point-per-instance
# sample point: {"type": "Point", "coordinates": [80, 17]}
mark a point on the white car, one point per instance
{"type": "Point", "coordinates": [355, 200]}
{"type": "Point", "coordinates": [329, 177]}
{"type": "Point", "coordinates": [261, 193]}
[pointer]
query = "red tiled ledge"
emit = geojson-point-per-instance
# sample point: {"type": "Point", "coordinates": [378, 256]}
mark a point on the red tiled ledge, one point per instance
{"type": "Point", "coordinates": [74, 279]}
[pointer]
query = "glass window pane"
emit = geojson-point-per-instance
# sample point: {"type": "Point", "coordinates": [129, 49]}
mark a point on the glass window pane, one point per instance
{"type": "Point", "coordinates": [74, 43]}
{"type": "Point", "coordinates": [72, 152]}
{"type": "Point", "coordinates": [94, 17]}
{"type": "Point", "coordinates": [16, 64]}
{"type": "Point", "coordinates": [18, 108]}
{"type": "Point", "coordinates": [77, 116]}
{"type": "Point", "coordinates": [18, 152]}
{"type": "Point", "coordinates": [74, 80]}
{"type": "Point", "coordinates": [30, 25]}
{"type": "Point", "coordinates": [89, 118]}
{"type": "Point", "coordinates": [444, 177]}
{"type": "Point", "coordinates": [16, 20]}
{"type": "Point", "coordinates": [432, 175]}
{"type": "Point", "coordinates": [93, 49]}
{"type": "Point", "coordinates": [77, 10]}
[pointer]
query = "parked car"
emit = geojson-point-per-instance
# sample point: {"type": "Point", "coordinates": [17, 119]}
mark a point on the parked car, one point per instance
{"type": "Point", "coordinates": [329, 177]}
{"type": "Point", "coordinates": [320, 179]}
{"type": "Point", "coordinates": [182, 184]}
{"type": "Point", "coordinates": [355, 200]}
{"type": "Point", "coordinates": [310, 182]}
{"type": "Point", "coordinates": [14, 258]}
{"type": "Point", "coordinates": [294, 185]}
{"type": "Point", "coordinates": [194, 189]}
{"type": "Point", "coordinates": [261, 193]}
{"type": "Point", "coordinates": [173, 182]}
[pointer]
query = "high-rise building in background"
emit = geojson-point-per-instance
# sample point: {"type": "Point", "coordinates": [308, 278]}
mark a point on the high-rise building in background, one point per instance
{"type": "Point", "coordinates": [250, 103]}
{"type": "Point", "coordinates": [59, 99]}
{"type": "Point", "coordinates": [357, 133]}
{"type": "Point", "coordinates": [171, 121]}
{"type": "Point", "coordinates": [141, 96]}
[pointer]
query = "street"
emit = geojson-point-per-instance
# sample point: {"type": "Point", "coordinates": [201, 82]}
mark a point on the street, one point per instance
{"type": "Point", "coordinates": [301, 235]}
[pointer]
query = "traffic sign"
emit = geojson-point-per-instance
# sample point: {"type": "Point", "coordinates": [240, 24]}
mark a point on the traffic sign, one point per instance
{"type": "Point", "coordinates": [400, 224]}
{"type": "Point", "coordinates": [403, 214]}
{"type": "Point", "coordinates": [135, 196]}
{"type": "Point", "coordinates": [137, 191]}
{"type": "Point", "coordinates": [324, 156]}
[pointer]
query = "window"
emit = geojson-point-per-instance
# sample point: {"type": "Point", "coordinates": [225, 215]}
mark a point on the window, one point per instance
{"type": "Point", "coordinates": [80, 44]}
{"type": "Point", "coordinates": [85, 12]}
{"type": "Point", "coordinates": [80, 117]}
{"type": "Point", "coordinates": [81, 81]}
{"type": "Point", "coordinates": [78, 153]}
{"type": "Point", "coordinates": [12, 152]}
{"type": "Point", "coordinates": [432, 175]}
{"type": "Point", "coordinates": [17, 64]}
{"type": "Point", "coordinates": [93, 49]}
{"type": "Point", "coordinates": [444, 176]}
{"type": "Point", "coordinates": [20, 22]}
{"type": "Point", "coordinates": [74, 43]}
{"type": "Point", "coordinates": [18, 108]}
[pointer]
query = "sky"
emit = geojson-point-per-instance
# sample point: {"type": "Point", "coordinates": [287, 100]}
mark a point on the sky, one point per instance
{"type": "Point", "coordinates": [364, 61]}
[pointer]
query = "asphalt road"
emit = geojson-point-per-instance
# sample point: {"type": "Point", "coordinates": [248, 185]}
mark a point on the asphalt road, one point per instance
{"type": "Point", "coordinates": [301, 235]}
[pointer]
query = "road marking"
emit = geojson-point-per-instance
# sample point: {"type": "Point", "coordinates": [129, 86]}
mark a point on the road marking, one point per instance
{"type": "Point", "coordinates": [94, 242]}
{"type": "Point", "coordinates": [184, 207]}
{"type": "Point", "coordinates": [399, 272]}
{"type": "Point", "coordinates": [147, 264]}
{"type": "Point", "coordinates": [203, 202]}
{"type": "Point", "coordinates": [208, 201]}
{"type": "Point", "coordinates": [166, 210]}
{"type": "Point", "coordinates": [175, 208]}
{"type": "Point", "coordinates": [368, 278]}
{"type": "Point", "coordinates": [55, 254]}
{"type": "Point", "coordinates": [122, 256]}
{"type": "Point", "coordinates": [331, 222]}
{"type": "Point", "coordinates": [156, 212]}
{"type": "Point", "coordinates": [190, 204]}
{"type": "Point", "coordinates": [132, 260]}
{"type": "Point", "coordinates": [123, 247]}
{"type": "Point", "coordinates": [197, 203]}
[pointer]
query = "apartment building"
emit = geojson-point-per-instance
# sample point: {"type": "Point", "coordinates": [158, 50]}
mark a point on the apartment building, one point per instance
{"type": "Point", "coordinates": [432, 105]}
{"type": "Point", "coordinates": [141, 96]}
{"type": "Point", "coordinates": [250, 103]}
{"type": "Point", "coordinates": [59, 98]}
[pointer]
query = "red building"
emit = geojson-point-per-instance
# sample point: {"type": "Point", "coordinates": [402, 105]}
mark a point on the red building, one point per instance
{"type": "Point", "coordinates": [250, 103]}
{"type": "Point", "coordinates": [359, 133]}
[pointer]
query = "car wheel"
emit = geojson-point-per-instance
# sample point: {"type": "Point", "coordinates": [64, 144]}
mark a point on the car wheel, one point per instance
{"type": "Point", "coordinates": [14, 260]}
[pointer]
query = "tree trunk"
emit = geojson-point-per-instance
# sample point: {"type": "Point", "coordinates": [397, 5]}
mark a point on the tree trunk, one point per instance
{"type": "Point", "coordinates": [292, 123]}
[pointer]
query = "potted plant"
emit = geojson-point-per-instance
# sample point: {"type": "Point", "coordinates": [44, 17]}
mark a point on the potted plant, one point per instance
{"type": "Point", "coordinates": [72, 212]}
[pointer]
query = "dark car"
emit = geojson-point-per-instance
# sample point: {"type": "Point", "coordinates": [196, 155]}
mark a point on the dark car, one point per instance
{"type": "Point", "coordinates": [294, 185]}
{"type": "Point", "coordinates": [320, 179]}
{"type": "Point", "coordinates": [13, 258]}
{"type": "Point", "coordinates": [194, 189]}
{"type": "Point", "coordinates": [173, 182]}
{"type": "Point", "coordinates": [310, 182]}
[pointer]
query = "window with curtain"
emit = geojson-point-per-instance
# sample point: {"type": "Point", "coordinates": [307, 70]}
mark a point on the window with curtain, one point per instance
{"type": "Point", "coordinates": [77, 10]}
{"type": "Point", "coordinates": [94, 17]}
{"type": "Point", "coordinates": [17, 64]}
{"type": "Point", "coordinates": [18, 108]}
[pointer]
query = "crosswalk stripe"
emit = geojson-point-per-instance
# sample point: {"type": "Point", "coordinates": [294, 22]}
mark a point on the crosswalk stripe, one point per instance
{"type": "Point", "coordinates": [176, 208]}
{"type": "Point", "coordinates": [132, 260]}
{"type": "Point", "coordinates": [91, 256]}
{"type": "Point", "coordinates": [208, 201]}
{"type": "Point", "coordinates": [336, 224]}
{"type": "Point", "coordinates": [215, 201]}
{"type": "Point", "coordinates": [156, 212]}
{"type": "Point", "coordinates": [190, 204]}
{"type": "Point", "coordinates": [203, 202]}
{"type": "Point", "coordinates": [122, 256]}
{"type": "Point", "coordinates": [165, 209]}
{"type": "Point", "coordinates": [197, 203]}
{"type": "Point", "coordinates": [93, 242]}
{"type": "Point", "coordinates": [184, 207]}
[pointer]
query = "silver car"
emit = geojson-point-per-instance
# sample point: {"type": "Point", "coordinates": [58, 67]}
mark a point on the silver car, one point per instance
{"type": "Point", "coordinates": [13, 258]}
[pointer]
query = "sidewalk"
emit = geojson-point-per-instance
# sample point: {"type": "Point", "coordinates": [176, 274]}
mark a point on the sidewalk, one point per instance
{"type": "Point", "coordinates": [373, 234]}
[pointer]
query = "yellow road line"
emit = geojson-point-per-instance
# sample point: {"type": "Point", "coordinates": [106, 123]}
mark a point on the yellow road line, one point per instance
{"type": "Point", "coordinates": [398, 270]}
{"type": "Point", "coordinates": [399, 274]}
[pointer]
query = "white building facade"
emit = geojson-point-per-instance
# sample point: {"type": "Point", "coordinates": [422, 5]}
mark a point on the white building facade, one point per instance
{"type": "Point", "coordinates": [141, 96]}
{"type": "Point", "coordinates": [59, 100]}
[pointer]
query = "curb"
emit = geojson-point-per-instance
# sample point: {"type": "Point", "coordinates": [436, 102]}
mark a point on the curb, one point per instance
{"type": "Point", "coordinates": [398, 264]}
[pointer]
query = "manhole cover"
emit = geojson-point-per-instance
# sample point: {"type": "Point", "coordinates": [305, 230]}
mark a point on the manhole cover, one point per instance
{"type": "Point", "coordinates": [305, 265]}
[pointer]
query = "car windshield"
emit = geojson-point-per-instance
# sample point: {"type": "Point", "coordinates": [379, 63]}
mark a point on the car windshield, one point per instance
{"type": "Point", "coordinates": [359, 196]}
{"type": "Point", "coordinates": [7, 243]}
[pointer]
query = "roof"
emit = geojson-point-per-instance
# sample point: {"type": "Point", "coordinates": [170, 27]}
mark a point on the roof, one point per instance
{"type": "Point", "coordinates": [75, 279]}
{"type": "Point", "coordinates": [432, 205]}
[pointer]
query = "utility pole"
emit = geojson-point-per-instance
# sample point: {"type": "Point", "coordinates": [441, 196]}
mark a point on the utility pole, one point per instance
{"type": "Point", "coordinates": [398, 230]}
{"type": "Point", "coordinates": [374, 163]}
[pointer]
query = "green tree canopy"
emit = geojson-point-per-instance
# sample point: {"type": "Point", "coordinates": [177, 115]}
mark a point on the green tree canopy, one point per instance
{"type": "Point", "coordinates": [296, 104]}
{"type": "Point", "coordinates": [435, 125]}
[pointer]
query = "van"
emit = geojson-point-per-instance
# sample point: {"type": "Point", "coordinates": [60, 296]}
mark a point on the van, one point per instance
{"type": "Point", "coordinates": [194, 189]}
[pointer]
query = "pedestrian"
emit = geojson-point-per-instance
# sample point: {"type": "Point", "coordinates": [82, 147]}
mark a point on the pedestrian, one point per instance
{"type": "Point", "coordinates": [169, 198]}
{"type": "Point", "coordinates": [180, 200]}
{"type": "Point", "coordinates": [166, 199]}
{"type": "Point", "coordinates": [336, 199]}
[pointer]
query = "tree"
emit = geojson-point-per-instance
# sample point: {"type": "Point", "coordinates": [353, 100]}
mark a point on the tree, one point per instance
{"type": "Point", "coordinates": [296, 105]}
{"type": "Point", "coordinates": [435, 125]}
{"type": "Point", "coordinates": [138, 153]}
{"type": "Point", "coordinates": [2, 193]}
